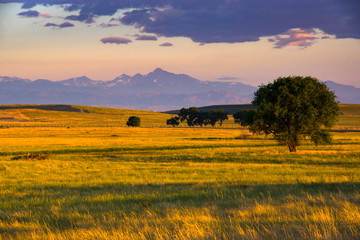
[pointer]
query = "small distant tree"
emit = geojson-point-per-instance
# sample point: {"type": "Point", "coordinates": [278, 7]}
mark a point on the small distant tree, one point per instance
{"type": "Point", "coordinates": [192, 117]}
{"type": "Point", "coordinates": [292, 108]}
{"type": "Point", "coordinates": [133, 121]}
{"type": "Point", "coordinates": [174, 121]}
{"type": "Point", "coordinates": [217, 116]}
{"type": "Point", "coordinates": [183, 114]}
{"type": "Point", "coordinates": [244, 117]}
{"type": "Point", "coordinates": [222, 116]}
{"type": "Point", "coordinates": [202, 119]}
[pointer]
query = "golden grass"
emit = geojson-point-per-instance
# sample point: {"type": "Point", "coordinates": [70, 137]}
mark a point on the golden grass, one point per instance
{"type": "Point", "coordinates": [175, 183]}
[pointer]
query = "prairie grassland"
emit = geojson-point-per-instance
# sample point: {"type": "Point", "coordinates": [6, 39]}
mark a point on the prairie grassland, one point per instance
{"type": "Point", "coordinates": [175, 183]}
{"type": "Point", "coordinates": [111, 117]}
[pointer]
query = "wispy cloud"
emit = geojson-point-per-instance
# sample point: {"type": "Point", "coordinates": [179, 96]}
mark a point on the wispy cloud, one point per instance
{"type": "Point", "coordinates": [82, 17]}
{"type": "Point", "coordinates": [29, 13]}
{"type": "Point", "coordinates": [33, 14]}
{"type": "Point", "coordinates": [166, 44]}
{"type": "Point", "coordinates": [146, 38]}
{"type": "Point", "coordinates": [108, 25]}
{"type": "Point", "coordinates": [62, 25]}
{"type": "Point", "coordinates": [45, 15]}
{"type": "Point", "coordinates": [225, 78]}
{"type": "Point", "coordinates": [294, 37]}
{"type": "Point", "coordinates": [115, 40]}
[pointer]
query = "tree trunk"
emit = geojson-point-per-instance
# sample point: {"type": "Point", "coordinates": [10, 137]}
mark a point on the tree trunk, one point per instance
{"type": "Point", "coordinates": [292, 147]}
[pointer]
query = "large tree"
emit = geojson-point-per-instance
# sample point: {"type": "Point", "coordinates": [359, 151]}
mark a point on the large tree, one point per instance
{"type": "Point", "coordinates": [294, 108]}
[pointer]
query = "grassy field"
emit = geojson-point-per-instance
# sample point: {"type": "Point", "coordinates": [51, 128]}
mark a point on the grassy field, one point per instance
{"type": "Point", "coordinates": [82, 116]}
{"type": "Point", "coordinates": [84, 178]}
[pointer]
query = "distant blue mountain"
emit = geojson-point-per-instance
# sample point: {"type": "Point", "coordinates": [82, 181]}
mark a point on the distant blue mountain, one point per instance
{"type": "Point", "coordinates": [345, 93]}
{"type": "Point", "coordinates": [158, 90]}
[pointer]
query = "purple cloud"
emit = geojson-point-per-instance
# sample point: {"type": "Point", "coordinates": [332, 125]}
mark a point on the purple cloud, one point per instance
{"type": "Point", "coordinates": [29, 13]}
{"type": "Point", "coordinates": [242, 21]}
{"type": "Point", "coordinates": [66, 24]}
{"type": "Point", "coordinates": [108, 25]}
{"type": "Point", "coordinates": [115, 40]}
{"type": "Point", "coordinates": [82, 17]}
{"type": "Point", "coordinates": [50, 25]}
{"type": "Point", "coordinates": [62, 25]}
{"type": "Point", "coordinates": [146, 38]}
{"type": "Point", "coordinates": [28, 4]}
{"type": "Point", "coordinates": [72, 7]}
{"type": "Point", "coordinates": [166, 44]}
{"type": "Point", "coordinates": [211, 21]}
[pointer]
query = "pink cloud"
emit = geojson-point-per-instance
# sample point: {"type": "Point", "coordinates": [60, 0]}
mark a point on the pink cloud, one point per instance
{"type": "Point", "coordinates": [295, 37]}
{"type": "Point", "coordinates": [115, 40]}
{"type": "Point", "coordinates": [45, 15]}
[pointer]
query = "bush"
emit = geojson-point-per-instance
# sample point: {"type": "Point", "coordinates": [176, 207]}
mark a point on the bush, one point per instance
{"type": "Point", "coordinates": [133, 121]}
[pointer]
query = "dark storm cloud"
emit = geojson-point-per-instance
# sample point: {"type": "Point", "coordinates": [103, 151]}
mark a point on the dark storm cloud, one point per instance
{"type": "Point", "coordinates": [241, 21]}
{"type": "Point", "coordinates": [146, 38]}
{"type": "Point", "coordinates": [211, 21]}
{"type": "Point", "coordinates": [115, 40]}
{"type": "Point", "coordinates": [166, 44]}
{"type": "Point", "coordinates": [30, 13]}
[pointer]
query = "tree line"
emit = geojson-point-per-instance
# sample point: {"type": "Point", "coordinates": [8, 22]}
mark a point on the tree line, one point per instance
{"type": "Point", "coordinates": [194, 117]}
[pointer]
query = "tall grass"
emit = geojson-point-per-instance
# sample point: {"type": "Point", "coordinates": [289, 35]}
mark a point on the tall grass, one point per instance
{"type": "Point", "coordinates": [175, 183]}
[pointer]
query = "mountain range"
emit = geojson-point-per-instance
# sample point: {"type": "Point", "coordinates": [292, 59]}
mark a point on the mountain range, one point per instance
{"type": "Point", "coordinates": [158, 91]}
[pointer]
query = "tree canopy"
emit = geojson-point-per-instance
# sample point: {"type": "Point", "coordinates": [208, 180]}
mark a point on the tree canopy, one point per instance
{"type": "Point", "coordinates": [195, 117]}
{"type": "Point", "coordinates": [133, 121]}
{"type": "Point", "coordinates": [294, 108]}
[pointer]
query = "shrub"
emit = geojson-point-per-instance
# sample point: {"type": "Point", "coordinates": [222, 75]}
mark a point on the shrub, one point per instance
{"type": "Point", "coordinates": [133, 121]}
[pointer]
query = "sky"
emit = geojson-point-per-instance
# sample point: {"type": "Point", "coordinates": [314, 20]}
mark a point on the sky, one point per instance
{"type": "Point", "coordinates": [248, 41]}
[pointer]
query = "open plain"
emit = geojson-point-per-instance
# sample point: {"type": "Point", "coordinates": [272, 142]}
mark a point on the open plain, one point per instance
{"type": "Point", "coordinates": [80, 173]}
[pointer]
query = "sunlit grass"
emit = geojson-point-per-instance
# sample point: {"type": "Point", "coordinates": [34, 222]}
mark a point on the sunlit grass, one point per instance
{"type": "Point", "coordinates": [175, 183]}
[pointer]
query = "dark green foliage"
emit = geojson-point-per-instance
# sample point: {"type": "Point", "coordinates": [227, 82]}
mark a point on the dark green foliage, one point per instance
{"type": "Point", "coordinates": [218, 116]}
{"type": "Point", "coordinates": [245, 117]}
{"type": "Point", "coordinates": [292, 108]}
{"type": "Point", "coordinates": [174, 121]}
{"type": "Point", "coordinates": [229, 108]}
{"type": "Point", "coordinates": [194, 117]}
{"type": "Point", "coordinates": [133, 121]}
